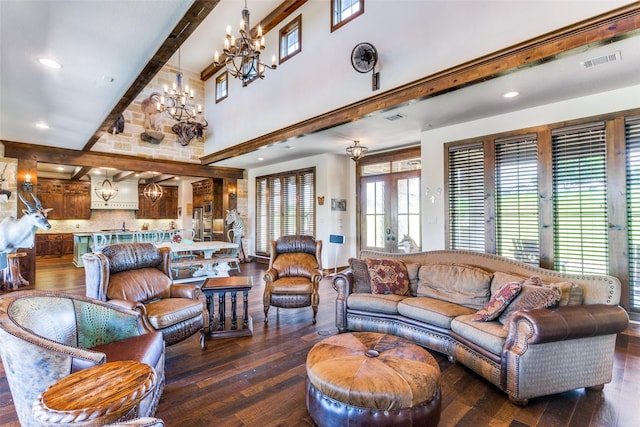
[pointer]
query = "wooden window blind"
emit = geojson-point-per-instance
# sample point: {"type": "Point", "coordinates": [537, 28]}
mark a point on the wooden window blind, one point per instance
{"type": "Point", "coordinates": [580, 199]}
{"type": "Point", "coordinates": [466, 197]}
{"type": "Point", "coordinates": [516, 198]}
{"type": "Point", "coordinates": [284, 206]}
{"type": "Point", "coordinates": [632, 138]}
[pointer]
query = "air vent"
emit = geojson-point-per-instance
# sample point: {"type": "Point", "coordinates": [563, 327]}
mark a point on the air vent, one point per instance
{"type": "Point", "coordinates": [600, 60]}
{"type": "Point", "coordinates": [395, 117]}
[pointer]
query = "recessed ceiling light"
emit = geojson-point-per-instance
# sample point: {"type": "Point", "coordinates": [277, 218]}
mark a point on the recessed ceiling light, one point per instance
{"type": "Point", "coordinates": [60, 168]}
{"type": "Point", "coordinates": [49, 63]}
{"type": "Point", "coordinates": [42, 125]}
{"type": "Point", "coordinates": [260, 158]}
{"type": "Point", "coordinates": [511, 94]}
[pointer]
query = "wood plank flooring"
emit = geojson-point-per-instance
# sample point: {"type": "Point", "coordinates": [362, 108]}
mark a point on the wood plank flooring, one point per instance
{"type": "Point", "coordinates": [259, 380]}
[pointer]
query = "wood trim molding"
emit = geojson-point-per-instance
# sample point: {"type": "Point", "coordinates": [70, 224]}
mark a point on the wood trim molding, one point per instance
{"type": "Point", "coordinates": [198, 11]}
{"type": "Point", "coordinates": [42, 153]}
{"type": "Point", "coordinates": [616, 24]}
{"type": "Point", "coordinates": [279, 14]}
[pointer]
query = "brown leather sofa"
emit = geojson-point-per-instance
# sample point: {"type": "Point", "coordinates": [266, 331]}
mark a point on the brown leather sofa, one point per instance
{"type": "Point", "coordinates": [45, 336]}
{"type": "Point", "coordinates": [138, 276]}
{"type": "Point", "coordinates": [535, 353]}
{"type": "Point", "coordinates": [295, 270]}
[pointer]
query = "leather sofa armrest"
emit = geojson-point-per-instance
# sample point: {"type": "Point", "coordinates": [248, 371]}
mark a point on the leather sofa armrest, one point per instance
{"type": "Point", "coordinates": [316, 276]}
{"type": "Point", "coordinates": [183, 290]}
{"type": "Point", "coordinates": [343, 282]}
{"type": "Point", "coordinates": [566, 323]}
{"type": "Point", "coordinates": [270, 276]}
{"type": "Point", "coordinates": [131, 305]}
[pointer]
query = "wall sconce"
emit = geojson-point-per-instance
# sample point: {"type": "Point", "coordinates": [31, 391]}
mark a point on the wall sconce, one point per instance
{"type": "Point", "coordinates": [438, 193]}
{"type": "Point", "coordinates": [27, 185]}
{"type": "Point", "coordinates": [232, 193]}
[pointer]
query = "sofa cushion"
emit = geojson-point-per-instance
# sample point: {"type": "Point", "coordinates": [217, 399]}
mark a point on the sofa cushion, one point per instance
{"type": "Point", "coordinates": [457, 283]}
{"type": "Point", "coordinates": [501, 278]}
{"type": "Point", "coordinates": [361, 283]}
{"type": "Point", "coordinates": [570, 293]}
{"type": "Point", "coordinates": [167, 312]}
{"type": "Point", "coordinates": [432, 311]}
{"type": "Point", "coordinates": [498, 302]}
{"type": "Point", "coordinates": [376, 303]}
{"type": "Point", "coordinates": [488, 335]}
{"type": "Point", "coordinates": [412, 269]}
{"type": "Point", "coordinates": [295, 264]}
{"type": "Point", "coordinates": [531, 297]}
{"type": "Point", "coordinates": [127, 256]}
{"type": "Point", "coordinates": [139, 285]}
{"type": "Point", "coordinates": [388, 276]}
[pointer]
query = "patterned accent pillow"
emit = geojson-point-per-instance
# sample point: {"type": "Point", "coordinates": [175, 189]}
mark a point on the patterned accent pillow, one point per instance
{"type": "Point", "coordinates": [388, 276]}
{"type": "Point", "coordinates": [531, 297]}
{"type": "Point", "coordinates": [498, 302]}
{"type": "Point", "coordinates": [361, 281]}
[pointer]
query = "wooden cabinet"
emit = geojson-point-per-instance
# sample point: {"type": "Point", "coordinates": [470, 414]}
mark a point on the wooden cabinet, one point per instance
{"type": "Point", "coordinates": [68, 199]}
{"type": "Point", "coordinates": [202, 192]}
{"type": "Point", "coordinates": [54, 244]}
{"type": "Point", "coordinates": [165, 208]}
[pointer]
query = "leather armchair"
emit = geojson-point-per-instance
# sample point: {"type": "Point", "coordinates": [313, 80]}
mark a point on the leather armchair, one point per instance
{"type": "Point", "coordinates": [45, 336]}
{"type": "Point", "coordinates": [295, 270]}
{"type": "Point", "coordinates": [137, 276]}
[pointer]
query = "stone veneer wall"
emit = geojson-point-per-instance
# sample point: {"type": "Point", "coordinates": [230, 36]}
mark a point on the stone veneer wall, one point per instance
{"type": "Point", "coordinates": [129, 141]}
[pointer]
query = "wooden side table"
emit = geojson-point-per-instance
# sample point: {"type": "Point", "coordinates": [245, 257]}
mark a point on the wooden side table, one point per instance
{"type": "Point", "coordinates": [11, 276]}
{"type": "Point", "coordinates": [225, 326]}
{"type": "Point", "coordinates": [100, 395]}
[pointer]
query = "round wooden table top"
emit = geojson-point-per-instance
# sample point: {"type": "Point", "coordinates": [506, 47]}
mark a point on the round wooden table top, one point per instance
{"type": "Point", "coordinates": [95, 396]}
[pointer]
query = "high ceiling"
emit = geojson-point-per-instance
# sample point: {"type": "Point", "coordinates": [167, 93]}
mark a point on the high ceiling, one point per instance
{"type": "Point", "coordinates": [104, 45]}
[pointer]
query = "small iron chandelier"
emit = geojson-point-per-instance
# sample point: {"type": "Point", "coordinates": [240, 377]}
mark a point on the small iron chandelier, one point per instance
{"type": "Point", "coordinates": [174, 102]}
{"type": "Point", "coordinates": [356, 151]}
{"type": "Point", "coordinates": [243, 53]}
{"type": "Point", "coordinates": [152, 192]}
{"type": "Point", "coordinates": [107, 190]}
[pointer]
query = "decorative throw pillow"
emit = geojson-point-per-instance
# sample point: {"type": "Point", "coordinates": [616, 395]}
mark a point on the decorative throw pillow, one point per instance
{"type": "Point", "coordinates": [531, 297]}
{"type": "Point", "coordinates": [498, 302]}
{"type": "Point", "coordinates": [388, 276]}
{"type": "Point", "coordinates": [571, 294]}
{"type": "Point", "coordinates": [361, 282]}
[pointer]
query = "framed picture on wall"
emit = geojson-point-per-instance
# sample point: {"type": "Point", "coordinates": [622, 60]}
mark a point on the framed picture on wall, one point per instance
{"type": "Point", "coordinates": [339, 205]}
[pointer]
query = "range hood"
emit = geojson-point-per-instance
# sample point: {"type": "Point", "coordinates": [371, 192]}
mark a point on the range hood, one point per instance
{"type": "Point", "coordinates": [127, 197]}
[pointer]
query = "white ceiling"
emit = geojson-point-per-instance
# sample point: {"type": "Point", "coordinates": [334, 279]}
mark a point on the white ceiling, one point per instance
{"type": "Point", "coordinates": [103, 45]}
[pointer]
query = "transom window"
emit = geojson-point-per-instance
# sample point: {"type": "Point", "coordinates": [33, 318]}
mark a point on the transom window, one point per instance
{"type": "Point", "coordinates": [343, 11]}
{"type": "Point", "coordinates": [291, 39]}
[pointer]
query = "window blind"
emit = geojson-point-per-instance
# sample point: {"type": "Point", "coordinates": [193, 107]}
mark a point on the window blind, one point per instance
{"type": "Point", "coordinates": [516, 198]}
{"type": "Point", "coordinates": [632, 138]}
{"type": "Point", "coordinates": [284, 206]}
{"type": "Point", "coordinates": [580, 199]}
{"type": "Point", "coordinates": [466, 197]}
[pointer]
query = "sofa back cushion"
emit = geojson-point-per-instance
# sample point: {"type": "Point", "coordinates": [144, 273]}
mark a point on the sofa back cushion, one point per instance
{"type": "Point", "coordinates": [361, 281]}
{"type": "Point", "coordinates": [130, 256]}
{"type": "Point", "coordinates": [457, 283]}
{"type": "Point", "coordinates": [298, 264]}
{"type": "Point", "coordinates": [139, 285]}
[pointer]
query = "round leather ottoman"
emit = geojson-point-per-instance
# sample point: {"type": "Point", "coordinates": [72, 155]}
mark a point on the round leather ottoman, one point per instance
{"type": "Point", "coordinates": [367, 378]}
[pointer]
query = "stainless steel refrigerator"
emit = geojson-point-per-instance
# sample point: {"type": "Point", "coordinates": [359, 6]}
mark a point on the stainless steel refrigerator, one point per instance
{"type": "Point", "coordinates": [198, 224]}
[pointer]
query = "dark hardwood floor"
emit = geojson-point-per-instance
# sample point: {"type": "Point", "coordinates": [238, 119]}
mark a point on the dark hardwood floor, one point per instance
{"type": "Point", "coordinates": [259, 380]}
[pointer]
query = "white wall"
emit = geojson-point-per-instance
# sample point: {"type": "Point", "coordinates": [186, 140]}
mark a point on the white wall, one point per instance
{"type": "Point", "coordinates": [433, 144]}
{"type": "Point", "coordinates": [335, 178]}
{"type": "Point", "coordinates": [410, 45]}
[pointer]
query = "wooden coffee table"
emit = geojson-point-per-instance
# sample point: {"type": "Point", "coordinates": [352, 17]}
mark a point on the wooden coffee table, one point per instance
{"type": "Point", "coordinates": [224, 326]}
{"type": "Point", "coordinates": [96, 396]}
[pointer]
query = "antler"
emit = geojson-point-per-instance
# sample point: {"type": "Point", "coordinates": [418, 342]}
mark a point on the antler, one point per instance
{"type": "Point", "coordinates": [38, 204]}
{"type": "Point", "coordinates": [31, 208]}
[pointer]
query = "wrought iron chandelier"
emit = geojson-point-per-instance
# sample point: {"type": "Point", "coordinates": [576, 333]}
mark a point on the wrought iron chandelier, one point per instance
{"type": "Point", "coordinates": [242, 54]}
{"type": "Point", "coordinates": [152, 192]}
{"type": "Point", "coordinates": [174, 102]}
{"type": "Point", "coordinates": [107, 190]}
{"type": "Point", "coordinates": [356, 151]}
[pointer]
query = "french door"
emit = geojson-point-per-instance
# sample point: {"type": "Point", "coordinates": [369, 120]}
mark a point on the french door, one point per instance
{"type": "Point", "coordinates": [390, 212]}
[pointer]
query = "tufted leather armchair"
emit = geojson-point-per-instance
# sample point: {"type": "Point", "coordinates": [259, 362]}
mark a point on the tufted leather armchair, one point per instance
{"type": "Point", "coordinates": [45, 336]}
{"type": "Point", "coordinates": [137, 276]}
{"type": "Point", "coordinates": [295, 270]}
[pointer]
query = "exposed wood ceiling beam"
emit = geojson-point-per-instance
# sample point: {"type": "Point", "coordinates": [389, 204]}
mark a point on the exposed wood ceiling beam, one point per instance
{"type": "Point", "coordinates": [61, 156]}
{"type": "Point", "coordinates": [82, 172]}
{"type": "Point", "coordinates": [619, 23]}
{"type": "Point", "coordinates": [189, 22]}
{"type": "Point", "coordinates": [279, 14]}
{"type": "Point", "coordinates": [159, 178]}
{"type": "Point", "coordinates": [121, 176]}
